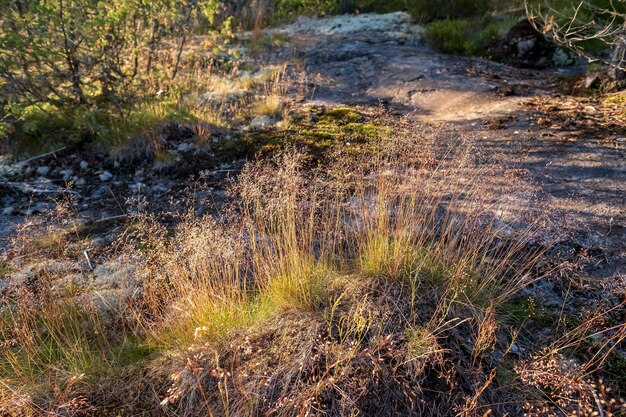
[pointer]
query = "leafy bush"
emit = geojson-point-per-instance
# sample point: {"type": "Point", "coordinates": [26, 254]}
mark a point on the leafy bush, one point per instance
{"type": "Point", "coordinates": [591, 28]}
{"type": "Point", "coordinates": [61, 60]}
{"type": "Point", "coordinates": [464, 36]}
{"type": "Point", "coordinates": [377, 6]}
{"type": "Point", "coordinates": [280, 10]}
{"type": "Point", "coordinates": [276, 11]}
{"type": "Point", "coordinates": [40, 127]}
{"type": "Point", "coordinates": [284, 10]}
{"type": "Point", "coordinates": [61, 51]}
{"type": "Point", "coordinates": [451, 36]}
{"type": "Point", "coordinates": [440, 9]}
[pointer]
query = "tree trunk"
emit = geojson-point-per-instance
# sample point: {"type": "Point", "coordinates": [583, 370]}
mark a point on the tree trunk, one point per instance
{"type": "Point", "coordinates": [618, 60]}
{"type": "Point", "coordinates": [152, 44]}
{"type": "Point", "coordinates": [178, 55]}
{"type": "Point", "coordinates": [70, 50]}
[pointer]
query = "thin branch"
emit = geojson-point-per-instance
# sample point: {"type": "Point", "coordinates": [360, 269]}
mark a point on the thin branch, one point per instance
{"type": "Point", "coordinates": [43, 155]}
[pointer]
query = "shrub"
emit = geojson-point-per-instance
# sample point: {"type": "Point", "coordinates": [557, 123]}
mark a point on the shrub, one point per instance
{"type": "Point", "coordinates": [592, 29]}
{"type": "Point", "coordinates": [464, 36]}
{"type": "Point", "coordinates": [283, 10]}
{"type": "Point", "coordinates": [377, 6]}
{"type": "Point", "coordinates": [64, 63]}
{"type": "Point", "coordinates": [45, 126]}
{"type": "Point", "coordinates": [441, 9]}
{"type": "Point", "coordinates": [427, 9]}
{"type": "Point", "coordinates": [451, 36]}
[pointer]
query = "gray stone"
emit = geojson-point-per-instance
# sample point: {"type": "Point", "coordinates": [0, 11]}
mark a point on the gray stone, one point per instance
{"type": "Point", "coordinates": [525, 46]}
{"type": "Point", "coordinates": [560, 58]}
{"type": "Point", "coordinates": [99, 192]}
{"type": "Point", "coordinates": [8, 211]}
{"type": "Point", "coordinates": [139, 175]}
{"type": "Point", "coordinates": [106, 176]}
{"type": "Point", "coordinates": [43, 170]}
{"type": "Point", "coordinates": [160, 187]}
{"type": "Point", "coordinates": [185, 147]}
{"type": "Point", "coordinates": [137, 187]}
{"type": "Point", "coordinates": [391, 27]}
{"type": "Point", "coordinates": [84, 165]}
{"type": "Point", "coordinates": [39, 187]}
{"type": "Point", "coordinates": [592, 80]}
{"type": "Point", "coordinates": [67, 174]}
{"type": "Point", "coordinates": [261, 122]}
{"type": "Point", "coordinates": [80, 182]}
{"type": "Point", "coordinates": [10, 170]}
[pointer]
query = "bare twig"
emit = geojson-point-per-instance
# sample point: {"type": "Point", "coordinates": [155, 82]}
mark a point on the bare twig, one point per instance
{"type": "Point", "coordinates": [88, 260]}
{"type": "Point", "coordinates": [43, 155]}
{"type": "Point", "coordinates": [572, 31]}
{"type": "Point", "coordinates": [106, 219]}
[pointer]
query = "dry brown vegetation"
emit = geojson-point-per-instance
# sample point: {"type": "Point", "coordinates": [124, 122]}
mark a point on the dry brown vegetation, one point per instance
{"type": "Point", "coordinates": [380, 285]}
{"type": "Point", "coordinates": [358, 267]}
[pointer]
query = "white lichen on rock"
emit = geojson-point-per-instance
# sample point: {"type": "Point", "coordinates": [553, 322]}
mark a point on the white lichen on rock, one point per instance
{"type": "Point", "coordinates": [396, 27]}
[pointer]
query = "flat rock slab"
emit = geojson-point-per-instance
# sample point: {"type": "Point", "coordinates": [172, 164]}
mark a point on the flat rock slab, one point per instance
{"type": "Point", "coordinates": [576, 171]}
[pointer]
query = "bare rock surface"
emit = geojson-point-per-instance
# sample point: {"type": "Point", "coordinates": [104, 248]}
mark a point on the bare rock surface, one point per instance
{"type": "Point", "coordinates": [557, 144]}
{"type": "Point", "coordinates": [392, 27]}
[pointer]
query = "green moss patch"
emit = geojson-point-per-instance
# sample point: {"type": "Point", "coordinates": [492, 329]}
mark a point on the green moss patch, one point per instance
{"type": "Point", "coordinates": [341, 116]}
{"type": "Point", "coordinates": [319, 131]}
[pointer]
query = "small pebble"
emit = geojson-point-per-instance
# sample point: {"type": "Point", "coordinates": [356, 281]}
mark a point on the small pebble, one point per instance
{"type": "Point", "coordinates": [67, 174]}
{"type": "Point", "coordinates": [43, 170]}
{"type": "Point", "coordinates": [105, 176]}
{"type": "Point", "coordinates": [185, 147]}
{"type": "Point", "coordinates": [137, 187]}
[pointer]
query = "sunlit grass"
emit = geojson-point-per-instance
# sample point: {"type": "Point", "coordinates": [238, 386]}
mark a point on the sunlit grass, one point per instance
{"type": "Point", "coordinates": [386, 256]}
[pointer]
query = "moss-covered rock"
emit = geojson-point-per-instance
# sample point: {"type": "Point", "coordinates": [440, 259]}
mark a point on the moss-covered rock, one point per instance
{"type": "Point", "coordinates": [341, 116]}
{"type": "Point", "coordinates": [317, 131]}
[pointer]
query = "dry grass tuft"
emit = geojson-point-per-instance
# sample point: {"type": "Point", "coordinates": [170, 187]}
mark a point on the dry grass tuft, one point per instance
{"type": "Point", "coordinates": [361, 287]}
